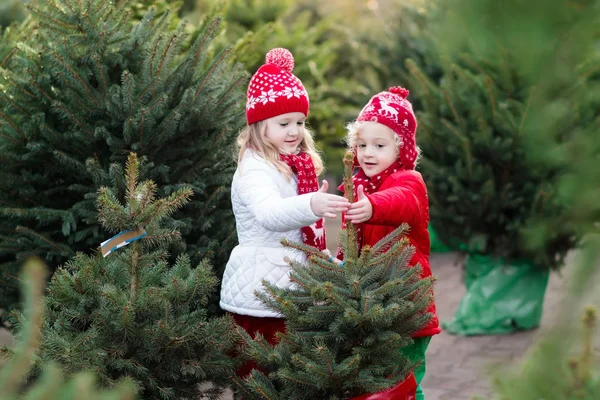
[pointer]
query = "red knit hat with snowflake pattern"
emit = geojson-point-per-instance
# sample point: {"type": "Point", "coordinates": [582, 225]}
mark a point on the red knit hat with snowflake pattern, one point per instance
{"type": "Point", "coordinates": [273, 90]}
{"type": "Point", "coordinates": [393, 110]}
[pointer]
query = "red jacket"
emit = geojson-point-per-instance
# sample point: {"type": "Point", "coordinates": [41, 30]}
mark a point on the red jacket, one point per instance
{"type": "Point", "coordinates": [402, 198]}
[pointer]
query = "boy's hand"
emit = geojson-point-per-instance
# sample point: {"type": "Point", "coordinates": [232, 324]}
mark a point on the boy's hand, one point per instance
{"type": "Point", "coordinates": [361, 210]}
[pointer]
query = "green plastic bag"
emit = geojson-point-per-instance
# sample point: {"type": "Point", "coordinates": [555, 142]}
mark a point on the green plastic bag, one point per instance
{"type": "Point", "coordinates": [437, 246]}
{"type": "Point", "coordinates": [501, 298]}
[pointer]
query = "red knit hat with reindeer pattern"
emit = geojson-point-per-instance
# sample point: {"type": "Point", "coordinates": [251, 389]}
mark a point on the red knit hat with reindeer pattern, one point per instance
{"type": "Point", "coordinates": [273, 90]}
{"type": "Point", "coordinates": [393, 110]}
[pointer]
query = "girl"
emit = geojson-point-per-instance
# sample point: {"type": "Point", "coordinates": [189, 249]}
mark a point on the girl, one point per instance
{"type": "Point", "coordinates": [275, 194]}
{"type": "Point", "coordinates": [390, 192]}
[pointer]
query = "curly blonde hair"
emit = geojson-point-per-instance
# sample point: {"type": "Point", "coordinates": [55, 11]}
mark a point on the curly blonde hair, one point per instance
{"type": "Point", "coordinates": [354, 129]}
{"type": "Point", "coordinates": [254, 137]}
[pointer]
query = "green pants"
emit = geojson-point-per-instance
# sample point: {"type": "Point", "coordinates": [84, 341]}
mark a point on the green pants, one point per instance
{"type": "Point", "coordinates": [415, 353]}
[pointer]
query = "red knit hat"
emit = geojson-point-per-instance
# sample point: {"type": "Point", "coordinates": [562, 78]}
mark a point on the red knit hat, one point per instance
{"type": "Point", "coordinates": [393, 110]}
{"type": "Point", "coordinates": [273, 90]}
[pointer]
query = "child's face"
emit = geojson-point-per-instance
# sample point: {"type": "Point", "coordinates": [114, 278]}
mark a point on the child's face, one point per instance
{"type": "Point", "coordinates": [286, 131]}
{"type": "Point", "coordinates": [376, 148]}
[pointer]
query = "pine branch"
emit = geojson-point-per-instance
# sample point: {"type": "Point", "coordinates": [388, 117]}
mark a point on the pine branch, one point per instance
{"type": "Point", "coordinates": [75, 75]}
{"type": "Point", "coordinates": [308, 250]}
{"type": "Point", "coordinates": [351, 246]}
{"type": "Point", "coordinates": [465, 144]}
{"type": "Point", "coordinates": [70, 116]}
{"type": "Point", "coordinates": [15, 127]}
{"type": "Point", "coordinates": [132, 168]}
{"type": "Point", "coordinates": [529, 100]}
{"type": "Point", "coordinates": [29, 232]}
{"type": "Point", "coordinates": [384, 244]}
{"type": "Point", "coordinates": [214, 66]}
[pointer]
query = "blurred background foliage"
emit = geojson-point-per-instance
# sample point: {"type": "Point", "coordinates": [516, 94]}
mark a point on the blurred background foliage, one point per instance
{"type": "Point", "coordinates": [554, 46]}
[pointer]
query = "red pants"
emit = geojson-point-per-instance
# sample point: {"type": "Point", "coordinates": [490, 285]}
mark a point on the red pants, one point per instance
{"type": "Point", "coordinates": [266, 326]}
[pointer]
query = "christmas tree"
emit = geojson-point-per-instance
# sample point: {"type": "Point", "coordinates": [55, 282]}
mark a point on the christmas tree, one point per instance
{"type": "Point", "coordinates": [483, 187]}
{"type": "Point", "coordinates": [561, 130]}
{"type": "Point", "coordinates": [486, 191]}
{"type": "Point", "coordinates": [93, 86]}
{"type": "Point", "coordinates": [559, 55]}
{"type": "Point", "coordinates": [125, 312]}
{"type": "Point", "coordinates": [346, 324]}
{"type": "Point", "coordinates": [51, 386]}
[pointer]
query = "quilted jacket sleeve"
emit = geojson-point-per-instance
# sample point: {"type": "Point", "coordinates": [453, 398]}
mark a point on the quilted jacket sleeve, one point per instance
{"type": "Point", "coordinates": [405, 201]}
{"type": "Point", "coordinates": [259, 191]}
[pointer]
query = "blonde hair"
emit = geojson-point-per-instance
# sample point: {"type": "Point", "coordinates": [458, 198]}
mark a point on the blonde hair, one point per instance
{"type": "Point", "coordinates": [354, 128]}
{"type": "Point", "coordinates": [254, 137]}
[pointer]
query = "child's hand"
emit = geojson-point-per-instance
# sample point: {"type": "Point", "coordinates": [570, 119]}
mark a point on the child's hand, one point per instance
{"type": "Point", "coordinates": [361, 210]}
{"type": "Point", "coordinates": [324, 204]}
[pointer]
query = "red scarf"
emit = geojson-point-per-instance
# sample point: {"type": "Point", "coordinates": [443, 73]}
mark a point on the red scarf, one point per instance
{"type": "Point", "coordinates": [302, 166]}
{"type": "Point", "coordinates": [370, 185]}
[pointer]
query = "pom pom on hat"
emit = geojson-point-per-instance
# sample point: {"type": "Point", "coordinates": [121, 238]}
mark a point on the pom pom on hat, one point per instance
{"type": "Point", "coordinates": [399, 91]}
{"type": "Point", "coordinates": [281, 57]}
{"type": "Point", "coordinates": [274, 90]}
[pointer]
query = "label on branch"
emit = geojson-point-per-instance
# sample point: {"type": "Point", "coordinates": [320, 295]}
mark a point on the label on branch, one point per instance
{"type": "Point", "coordinates": [120, 240]}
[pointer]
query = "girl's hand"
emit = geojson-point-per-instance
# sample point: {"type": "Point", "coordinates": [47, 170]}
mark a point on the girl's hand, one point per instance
{"type": "Point", "coordinates": [324, 204]}
{"type": "Point", "coordinates": [360, 211]}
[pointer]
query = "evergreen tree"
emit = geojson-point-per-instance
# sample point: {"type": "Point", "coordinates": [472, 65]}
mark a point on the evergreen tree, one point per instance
{"type": "Point", "coordinates": [131, 314]}
{"type": "Point", "coordinates": [51, 386]}
{"type": "Point", "coordinates": [559, 55]}
{"type": "Point", "coordinates": [346, 324]}
{"type": "Point", "coordinates": [93, 86]}
{"type": "Point", "coordinates": [483, 188]}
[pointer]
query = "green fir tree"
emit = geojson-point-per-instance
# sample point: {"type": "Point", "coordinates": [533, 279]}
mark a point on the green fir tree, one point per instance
{"type": "Point", "coordinates": [559, 55]}
{"type": "Point", "coordinates": [346, 324]}
{"type": "Point", "coordinates": [130, 313]}
{"type": "Point", "coordinates": [94, 85]}
{"type": "Point", "coordinates": [484, 189]}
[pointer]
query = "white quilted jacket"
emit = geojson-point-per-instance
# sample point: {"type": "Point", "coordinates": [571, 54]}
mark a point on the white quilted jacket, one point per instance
{"type": "Point", "coordinates": [267, 208]}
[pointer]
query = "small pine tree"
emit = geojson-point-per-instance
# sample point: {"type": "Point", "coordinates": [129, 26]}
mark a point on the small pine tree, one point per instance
{"type": "Point", "coordinates": [346, 325]}
{"type": "Point", "coordinates": [95, 84]}
{"type": "Point", "coordinates": [131, 314]}
{"type": "Point", "coordinates": [51, 386]}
